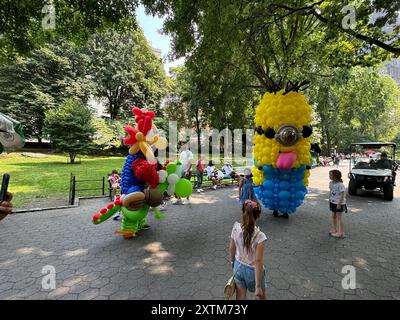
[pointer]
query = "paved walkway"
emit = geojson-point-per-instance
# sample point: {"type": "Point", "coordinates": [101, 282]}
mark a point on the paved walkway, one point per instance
{"type": "Point", "coordinates": [185, 255]}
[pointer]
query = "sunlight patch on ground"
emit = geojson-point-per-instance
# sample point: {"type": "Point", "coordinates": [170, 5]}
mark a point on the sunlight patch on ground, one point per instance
{"type": "Point", "coordinates": [157, 259]}
{"type": "Point", "coordinates": [76, 253]}
{"type": "Point", "coordinates": [73, 281]}
{"type": "Point", "coordinates": [362, 263]}
{"type": "Point", "coordinates": [25, 250]}
{"type": "Point", "coordinates": [30, 250]}
{"type": "Point", "coordinates": [8, 262]}
{"type": "Point", "coordinates": [203, 200]}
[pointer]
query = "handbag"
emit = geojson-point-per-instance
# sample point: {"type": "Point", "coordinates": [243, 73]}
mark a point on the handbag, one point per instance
{"type": "Point", "coordinates": [230, 286]}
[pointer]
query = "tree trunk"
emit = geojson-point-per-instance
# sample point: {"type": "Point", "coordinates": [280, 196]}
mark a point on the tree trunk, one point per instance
{"type": "Point", "coordinates": [72, 156]}
{"type": "Point", "coordinates": [198, 133]}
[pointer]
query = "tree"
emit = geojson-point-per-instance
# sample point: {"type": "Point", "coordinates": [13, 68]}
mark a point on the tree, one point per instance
{"type": "Point", "coordinates": [125, 71]}
{"type": "Point", "coordinates": [70, 128]}
{"type": "Point", "coordinates": [41, 81]}
{"type": "Point", "coordinates": [108, 134]}
{"type": "Point", "coordinates": [359, 104]}
{"type": "Point", "coordinates": [27, 25]}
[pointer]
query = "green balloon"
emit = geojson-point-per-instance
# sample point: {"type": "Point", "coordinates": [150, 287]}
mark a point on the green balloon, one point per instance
{"type": "Point", "coordinates": [171, 168]}
{"type": "Point", "coordinates": [163, 186]}
{"type": "Point", "coordinates": [183, 188]}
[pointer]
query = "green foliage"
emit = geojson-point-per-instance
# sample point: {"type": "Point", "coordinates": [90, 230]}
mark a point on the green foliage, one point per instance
{"type": "Point", "coordinates": [355, 105]}
{"type": "Point", "coordinates": [70, 128]}
{"type": "Point", "coordinates": [107, 135]}
{"type": "Point", "coordinates": [21, 27]}
{"type": "Point", "coordinates": [41, 81]}
{"type": "Point", "coordinates": [125, 71]}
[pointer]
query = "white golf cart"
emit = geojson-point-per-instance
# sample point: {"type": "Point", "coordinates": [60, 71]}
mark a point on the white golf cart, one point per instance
{"type": "Point", "coordinates": [367, 173]}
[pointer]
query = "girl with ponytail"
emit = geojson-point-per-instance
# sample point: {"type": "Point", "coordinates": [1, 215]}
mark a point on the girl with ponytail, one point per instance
{"type": "Point", "coordinates": [247, 252]}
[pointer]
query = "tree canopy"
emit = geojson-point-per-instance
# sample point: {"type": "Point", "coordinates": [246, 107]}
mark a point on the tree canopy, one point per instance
{"type": "Point", "coordinates": [70, 128]}
{"type": "Point", "coordinates": [125, 71]}
{"type": "Point", "coordinates": [29, 24]}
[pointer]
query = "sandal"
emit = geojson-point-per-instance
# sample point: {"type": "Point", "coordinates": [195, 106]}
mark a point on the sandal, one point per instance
{"type": "Point", "coordinates": [336, 235]}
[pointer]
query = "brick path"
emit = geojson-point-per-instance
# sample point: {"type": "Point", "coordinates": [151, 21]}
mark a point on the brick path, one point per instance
{"type": "Point", "coordinates": [185, 255]}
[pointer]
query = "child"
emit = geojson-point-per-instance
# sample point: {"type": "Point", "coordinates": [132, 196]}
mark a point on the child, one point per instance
{"type": "Point", "coordinates": [115, 180]}
{"type": "Point", "coordinates": [337, 203]}
{"type": "Point", "coordinates": [246, 252]}
{"type": "Point", "coordinates": [246, 191]}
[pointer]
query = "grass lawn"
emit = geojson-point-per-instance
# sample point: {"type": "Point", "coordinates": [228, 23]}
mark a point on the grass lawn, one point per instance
{"type": "Point", "coordinates": [43, 182]}
{"type": "Point", "coordinates": [36, 182]}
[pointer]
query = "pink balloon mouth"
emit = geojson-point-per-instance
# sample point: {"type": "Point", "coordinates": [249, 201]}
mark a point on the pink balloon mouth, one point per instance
{"type": "Point", "coordinates": [286, 160]}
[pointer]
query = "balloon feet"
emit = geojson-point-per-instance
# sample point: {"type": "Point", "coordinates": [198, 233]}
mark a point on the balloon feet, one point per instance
{"type": "Point", "coordinates": [126, 234]}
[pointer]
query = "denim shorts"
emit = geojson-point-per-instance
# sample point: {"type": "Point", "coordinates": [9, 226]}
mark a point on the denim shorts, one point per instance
{"type": "Point", "coordinates": [245, 277]}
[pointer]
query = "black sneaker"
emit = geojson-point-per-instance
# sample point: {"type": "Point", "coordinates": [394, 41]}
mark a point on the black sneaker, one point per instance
{"type": "Point", "coordinates": [276, 213]}
{"type": "Point", "coordinates": [116, 218]}
{"type": "Point", "coordinates": [285, 216]}
{"type": "Point", "coordinates": [145, 227]}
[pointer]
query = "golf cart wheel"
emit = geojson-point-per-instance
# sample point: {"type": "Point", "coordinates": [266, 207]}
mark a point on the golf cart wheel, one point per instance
{"type": "Point", "coordinates": [352, 188]}
{"type": "Point", "coordinates": [388, 192]}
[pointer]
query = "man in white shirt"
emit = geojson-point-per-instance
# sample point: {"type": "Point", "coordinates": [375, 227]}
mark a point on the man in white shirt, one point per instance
{"type": "Point", "coordinates": [186, 158]}
{"type": "Point", "coordinates": [229, 172]}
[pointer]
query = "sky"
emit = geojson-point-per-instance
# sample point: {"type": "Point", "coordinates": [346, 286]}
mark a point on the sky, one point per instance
{"type": "Point", "coordinates": [151, 27]}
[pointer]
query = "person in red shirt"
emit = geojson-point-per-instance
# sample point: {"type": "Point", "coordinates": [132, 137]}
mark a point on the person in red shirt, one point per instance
{"type": "Point", "coordinates": [200, 166]}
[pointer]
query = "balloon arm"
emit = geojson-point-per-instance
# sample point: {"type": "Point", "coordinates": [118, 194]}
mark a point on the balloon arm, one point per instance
{"type": "Point", "coordinates": [158, 214]}
{"type": "Point", "coordinates": [153, 141]}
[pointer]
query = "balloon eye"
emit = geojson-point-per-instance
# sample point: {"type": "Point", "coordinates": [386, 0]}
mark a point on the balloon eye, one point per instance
{"type": "Point", "coordinates": [288, 136]}
{"type": "Point", "coordinates": [307, 131]}
{"type": "Point", "coordinates": [259, 130]}
{"type": "Point", "coordinates": [270, 133]}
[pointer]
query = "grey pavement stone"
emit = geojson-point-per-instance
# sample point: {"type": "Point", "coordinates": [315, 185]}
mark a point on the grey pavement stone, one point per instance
{"type": "Point", "coordinates": [184, 256]}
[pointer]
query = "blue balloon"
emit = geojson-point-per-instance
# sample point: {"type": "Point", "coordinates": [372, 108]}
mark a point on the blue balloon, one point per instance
{"type": "Point", "coordinates": [298, 185]}
{"type": "Point", "coordinates": [299, 195]}
{"type": "Point", "coordinates": [284, 203]}
{"type": "Point", "coordinates": [268, 184]}
{"type": "Point", "coordinates": [284, 195]}
{"type": "Point", "coordinates": [268, 194]}
{"type": "Point", "coordinates": [300, 176]}
{"type": "Point", "coordinates": [284, 185]}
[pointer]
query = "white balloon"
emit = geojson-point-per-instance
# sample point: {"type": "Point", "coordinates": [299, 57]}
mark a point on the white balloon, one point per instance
{"type": "Point", "coordinates": [162, 175]}
{"type": "Point", "coordinates": [173, 178]}
{"type": "Point", "coordinates": [171, 189]}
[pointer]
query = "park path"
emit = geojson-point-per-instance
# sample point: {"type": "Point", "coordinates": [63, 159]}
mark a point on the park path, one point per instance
{"type": "Point", "coordinates": [185, 255]}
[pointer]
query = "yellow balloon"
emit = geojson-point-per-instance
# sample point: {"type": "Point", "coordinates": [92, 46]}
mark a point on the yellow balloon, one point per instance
{"type": "Point", "coordinates": [161, 143]}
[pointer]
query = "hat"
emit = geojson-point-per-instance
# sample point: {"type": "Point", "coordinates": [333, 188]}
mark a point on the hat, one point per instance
{"type": "Point", "coordinates": [247, 172]}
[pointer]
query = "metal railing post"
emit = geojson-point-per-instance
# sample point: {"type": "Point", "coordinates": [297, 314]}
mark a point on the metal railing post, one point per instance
{"type": "Point", "coordinates": [73, 190]}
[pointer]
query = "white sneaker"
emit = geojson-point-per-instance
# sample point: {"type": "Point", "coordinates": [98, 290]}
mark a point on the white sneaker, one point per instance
{"type": "Point", "coordinates": [198, 190]}
{"type": "Point", "coordinates": [215, 187]}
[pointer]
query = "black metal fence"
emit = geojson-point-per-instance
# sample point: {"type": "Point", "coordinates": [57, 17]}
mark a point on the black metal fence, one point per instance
{"type": "Point", "coordinates": [74, 187]}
